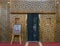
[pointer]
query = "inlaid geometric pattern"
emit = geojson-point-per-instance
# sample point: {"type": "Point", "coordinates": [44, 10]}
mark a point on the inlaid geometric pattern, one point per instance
{"type": "Point", "coordinates": [32, 6]}
{"type": "Point", "coordinates": [22, 21]}
{"type": "Point", "coordinates": [58, 25]}
{"type": "Point", "coordinates": [46, 30]}
{"type": "Point", "coordinates": [47, 27]}
{"type": "Point", "coordinates": [3, 23]}
{"type": "Point", "coordinates": [4, 31]}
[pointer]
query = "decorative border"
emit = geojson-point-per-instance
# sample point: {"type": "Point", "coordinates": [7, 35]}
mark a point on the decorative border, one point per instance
{"type": "Point", "coordinates": [32, 6]}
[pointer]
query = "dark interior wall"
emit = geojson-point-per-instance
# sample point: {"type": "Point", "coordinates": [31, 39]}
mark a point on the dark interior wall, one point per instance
{"type": "Point", "coordinates": [33, 27]}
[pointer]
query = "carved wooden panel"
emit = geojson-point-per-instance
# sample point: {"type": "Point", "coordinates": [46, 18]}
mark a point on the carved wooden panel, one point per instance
{"type": "Point", "coordinates": [0, 25]}
{"type": "Point", "coordinates": [21, 6]}
{"type": "Point", "coordinates": [4, 24]}
{"type": "Point", "coordinates": [22, 21]}
{"type": "Point", "coordinates": [58, 24]}
{"type": "Point", "coordinates": [47, 27]}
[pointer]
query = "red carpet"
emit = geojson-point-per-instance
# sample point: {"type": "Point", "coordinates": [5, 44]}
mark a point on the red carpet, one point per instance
{"type": "Point", "coordinates": [30, 44]}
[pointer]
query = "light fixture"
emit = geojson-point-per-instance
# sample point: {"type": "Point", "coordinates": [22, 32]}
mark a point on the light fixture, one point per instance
{"type": "Point", "coordinates": [47, 24]}
{"type": "Point", "coordinates": [57, 2]}
{"type": "Point", "coordinates": [8, 2]}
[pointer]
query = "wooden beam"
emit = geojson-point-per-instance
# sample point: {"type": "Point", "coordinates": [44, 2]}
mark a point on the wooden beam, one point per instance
{"type": "Point", "coordinates": [37, 12]}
